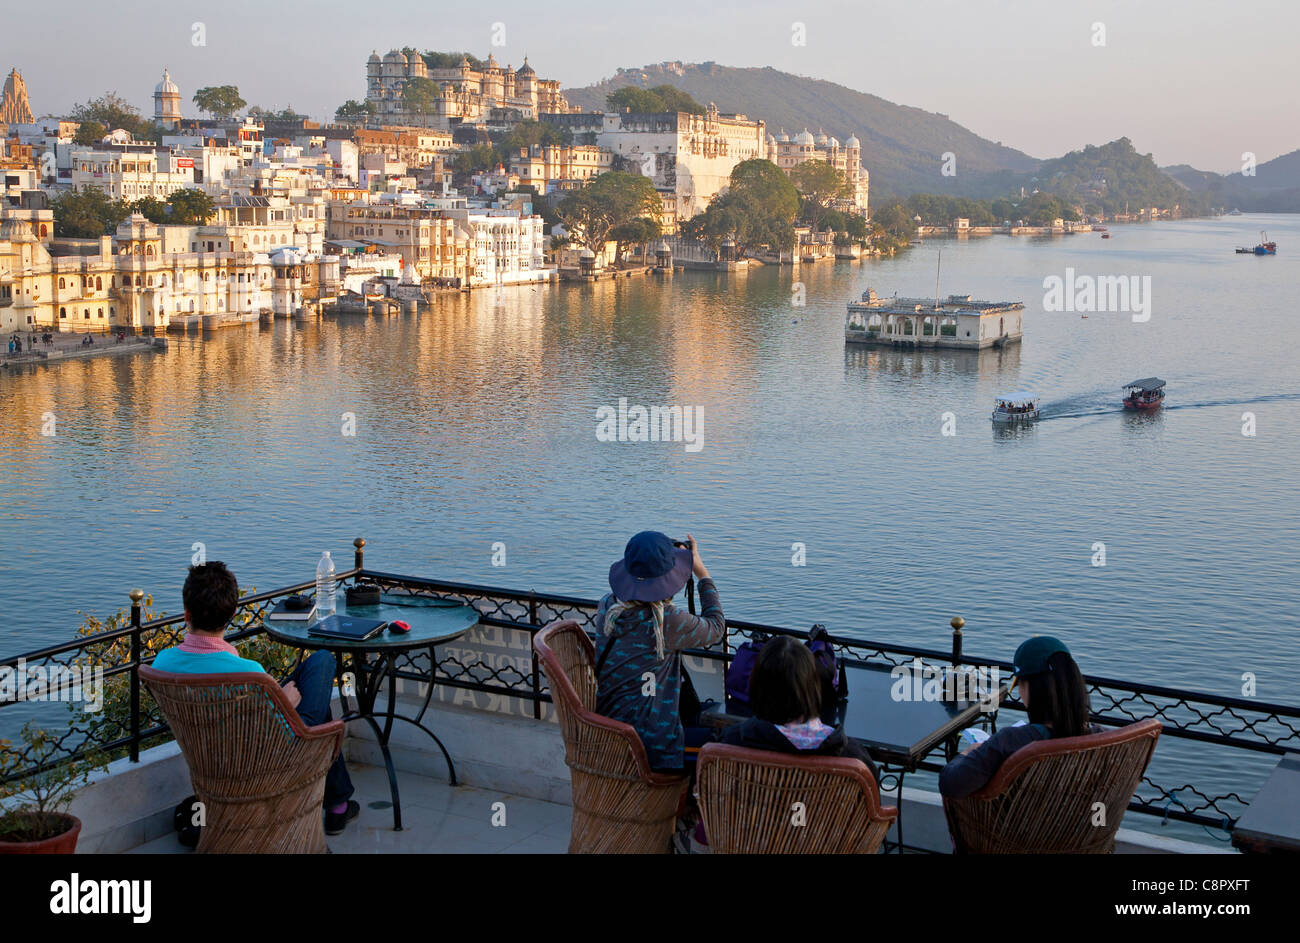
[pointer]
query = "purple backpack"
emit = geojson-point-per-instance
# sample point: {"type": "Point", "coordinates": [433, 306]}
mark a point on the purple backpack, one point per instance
{"type": "Point", "coordinates": [835, 688]}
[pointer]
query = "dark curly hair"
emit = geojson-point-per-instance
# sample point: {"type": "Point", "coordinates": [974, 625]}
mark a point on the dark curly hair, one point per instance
{"type": "Point", "coordinates": [211, 596]}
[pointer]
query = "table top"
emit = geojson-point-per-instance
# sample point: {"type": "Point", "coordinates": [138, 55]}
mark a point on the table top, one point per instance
{"type": "Point", "coordinates": [430, 625]}
{"type": "Point", "coordinates": [1270, 821]}
{"type": "Point", "coordinates": [900, 730]}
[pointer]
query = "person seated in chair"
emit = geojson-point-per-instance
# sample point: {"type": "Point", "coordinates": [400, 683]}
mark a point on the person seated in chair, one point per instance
{"type": "Point", "coordinates": [1056, 700]}
{"type": "Point", "coordinates": [211, 596]}
{"type": "Point", "coordinates": [785, 694]}
{"type": "Point", "coordinates": [639, 643]}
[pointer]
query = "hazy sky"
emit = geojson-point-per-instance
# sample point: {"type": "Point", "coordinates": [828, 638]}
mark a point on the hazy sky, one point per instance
{"type": "Point", "coordinates": [1194, 82]}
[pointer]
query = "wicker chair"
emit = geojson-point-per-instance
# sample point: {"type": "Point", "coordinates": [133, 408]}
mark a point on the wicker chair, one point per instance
{"type": "Point", "coordinates": [258, 770]}
{"type": "Point", "coordinates": [619, 805]}
{"type": "Point", "coordinates": [1042, 800]}
{"type": "Point", "coordinates": [748, 802]}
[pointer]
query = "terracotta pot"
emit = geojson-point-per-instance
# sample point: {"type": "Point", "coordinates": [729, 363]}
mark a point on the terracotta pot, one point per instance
{"type": "Point", "coordinates": [65, 843]}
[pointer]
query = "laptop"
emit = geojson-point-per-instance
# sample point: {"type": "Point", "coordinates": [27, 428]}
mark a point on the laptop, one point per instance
{"type": "Point", "coordinates": [348, 628]}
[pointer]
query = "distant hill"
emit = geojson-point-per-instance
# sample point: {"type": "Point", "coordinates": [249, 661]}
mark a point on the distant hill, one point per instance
{"type": "Point", "coordinates": [1275, 187]}
{"type": "Point", "coordinates": [902, 147]}
{"type": "Point", "coordinates": [1112, 178]}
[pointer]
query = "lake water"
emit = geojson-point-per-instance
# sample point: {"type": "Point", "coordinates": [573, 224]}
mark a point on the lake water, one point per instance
{"type": "Point", "coordinates": [476, 424]}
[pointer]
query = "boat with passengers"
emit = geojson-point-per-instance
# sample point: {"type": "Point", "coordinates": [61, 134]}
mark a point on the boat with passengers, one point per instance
{"type": "Point", "coordinates": [1015, 407]}
{"type": "Point", "coordinates": [1144, 394]}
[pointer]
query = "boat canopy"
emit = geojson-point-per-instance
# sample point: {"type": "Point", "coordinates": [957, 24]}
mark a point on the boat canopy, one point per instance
{"type": "Point", "coordinates": [1020, 397]}
{"type": "Point", "coordinates": [1146, 386]}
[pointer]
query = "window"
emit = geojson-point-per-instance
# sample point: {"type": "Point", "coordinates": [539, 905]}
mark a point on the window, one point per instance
{"type": "Point", "coordinates": [101, 312]}
{"type": "Point", "coordinates": [63, 312]}
{"type": "Point", "coordinates": [61, 284]}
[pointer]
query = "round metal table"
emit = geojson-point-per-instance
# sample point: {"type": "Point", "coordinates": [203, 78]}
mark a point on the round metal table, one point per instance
{"type": "Point", "coordinates": [431, 625]}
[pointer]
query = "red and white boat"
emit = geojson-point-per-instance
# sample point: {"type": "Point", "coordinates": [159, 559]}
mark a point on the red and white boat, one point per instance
{"type": "Point", "coordinates": [1144, 394]}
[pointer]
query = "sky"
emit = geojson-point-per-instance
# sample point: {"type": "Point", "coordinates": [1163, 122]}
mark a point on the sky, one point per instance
{"type": "Point", "coordinates": [1196, 82]}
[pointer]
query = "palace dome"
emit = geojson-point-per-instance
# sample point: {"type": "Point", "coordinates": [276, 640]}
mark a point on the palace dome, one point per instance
{"type": "Point", "coordinates": [15, 230]}
{"type": "Point", "coordinates": [853, 141]}
{"type": "Point", "coordinates": [804, 138]}
{"type": "Point", "coordinates": [525, 69]}
{"type": "Point", "coordinates": [167, 86]}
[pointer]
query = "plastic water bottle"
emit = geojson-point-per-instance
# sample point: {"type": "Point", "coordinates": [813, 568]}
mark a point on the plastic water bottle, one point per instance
{"type": "Point", "coordinates": [325, 586]}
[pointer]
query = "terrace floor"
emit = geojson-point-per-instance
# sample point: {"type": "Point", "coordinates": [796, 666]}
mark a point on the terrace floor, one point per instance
{"type": "Point", "coordinates": [436, 818]}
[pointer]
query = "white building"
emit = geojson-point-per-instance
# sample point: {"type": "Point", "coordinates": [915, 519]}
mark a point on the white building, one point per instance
{"type": "Point", "coordinates": [167, 102]}
{"type": "Point", "coordinates": [505, 248]}
{"type": "Point", "coordinates": [126, 171]}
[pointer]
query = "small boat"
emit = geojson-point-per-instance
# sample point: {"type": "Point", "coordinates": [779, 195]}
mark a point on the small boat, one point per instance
{"type": "Point", "coordinates": [1015, 407]}
{"type": "Point", "coordinates": [1235, 213]}
{"type": "Point", "coordinates": [1265, 247]}
{"type": "Point", "coordinates": [1105, 235]}
{"type": "Point", "coordinates": [1144, 394]}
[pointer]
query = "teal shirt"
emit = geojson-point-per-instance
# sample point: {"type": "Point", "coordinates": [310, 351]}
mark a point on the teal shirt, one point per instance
{"type": "Point", "coordinates": [195, 663]}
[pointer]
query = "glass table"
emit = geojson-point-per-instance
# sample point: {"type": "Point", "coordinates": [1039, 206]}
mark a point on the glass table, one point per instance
{"type": "Point", "coordinates": [373, 662]}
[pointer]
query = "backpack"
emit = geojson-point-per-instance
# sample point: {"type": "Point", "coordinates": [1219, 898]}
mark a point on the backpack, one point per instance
{"type": "Point", "coordinates": [835, 685]}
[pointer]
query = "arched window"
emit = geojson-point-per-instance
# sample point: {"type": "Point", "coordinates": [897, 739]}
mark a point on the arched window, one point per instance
{"type": "Point", "coordinates": [86, 316]}
{"type": "Point", "coordinates": [99, 283]}
{"type": "Point", "coordinates": [63, 312]}
{"type": "Point", "coordinates": [101, 312]}
{"type": "Point", "coordinates": [61, 285]}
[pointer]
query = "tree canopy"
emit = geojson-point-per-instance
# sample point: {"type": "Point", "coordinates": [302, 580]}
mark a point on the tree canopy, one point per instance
{"type": "Point", "coordinates": [220, 101]}
{"type": "Point", "coordinates": [652, 100]}
{"type": "Point", "coordinates": [353, 110]}
{"type": "Point", "coordinates": [110, 112]}
{"type": "Point", "coordinates": [87, 214]}
{"type": "Point", "coordinates": [820, 185]}
{"type": "Point", "coordinates": [607, 202]}
{"type": "Point", "coordinates": [420, 95]}
{"type": "Point", "coordinates": [758, 208]}
{"type": "Point", "coordinates": [450, 60]}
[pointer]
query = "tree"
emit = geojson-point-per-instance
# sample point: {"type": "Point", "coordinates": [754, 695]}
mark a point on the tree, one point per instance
{"type": "Point", "coordinates": [420, 95]}
{"type": "Point", "coordinates": [190, 207]}
{"type": "Point", "coordinates": [89, 132]}
{"type": "Point", "coordinates": [479, 158]}
{"type": "Point", "coordinates": [220, 101]}
{"type": "Point", "coordinates": [87, 214]}
{"type": "Point", "coordinates": [758, 208]}
{"type": "Point", "coordinates": [354, 111]}
{"type": "Point", "coordinates": [451, 60]}
{"type": "Point", "coordinates": [534, 134]}
{"type": "Point", "coordinates": [634, 232]}
{"type": "Point", "coordinates": [606, 202]}
{"type": "Point", "coordinates": [110, 112]}
{"type": "Point", "coordinates": [151, 208]}
{"type": "Point", "coordinates": [821, 185]}
{"type": "Point", "coordinates": [652, 100]}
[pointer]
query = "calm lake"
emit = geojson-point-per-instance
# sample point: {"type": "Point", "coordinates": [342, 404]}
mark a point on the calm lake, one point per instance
{"type": "Point", "coordinates": [475, 423]}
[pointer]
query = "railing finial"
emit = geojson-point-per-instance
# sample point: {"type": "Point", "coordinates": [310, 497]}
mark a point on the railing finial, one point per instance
{"type": "Point", "coordinates": [359, 555]}
{"type": "Point", "coordinates": [956, 622]}
{"type": "Point", "coordinates": [136, 596]}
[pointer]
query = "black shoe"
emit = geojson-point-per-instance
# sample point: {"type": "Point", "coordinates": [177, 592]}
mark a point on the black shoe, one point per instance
{"type": "Point", "coordinates": [336, 822]}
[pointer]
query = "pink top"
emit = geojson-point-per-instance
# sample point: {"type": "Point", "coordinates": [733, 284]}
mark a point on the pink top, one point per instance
{"type": "Point", "coordinates": [205, 644]}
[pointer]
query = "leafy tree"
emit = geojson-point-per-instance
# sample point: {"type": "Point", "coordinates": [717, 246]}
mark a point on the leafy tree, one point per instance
{"type": "Point", "coordinates": [479, 158]}
{"type": "Point", "coordinates": [111, 112]}
{"type": "Point", "coordinates": [220, 101]}
{"type": "Point", "coordinates": [634, 232]}
{"type": "Point", "coordinates": [353, 110]}
{"type": "Point", "coordinates": [652, 100]}
{"type": "Point", "coordinates": [451, 60]}
{"type": "Point", "coordinates": [758, 208]}
{"type": "Point", "coordinates": [611, 200]}
{"type": "Point", "coordinates": [87, 214]}
{"type": "Point", "coordinates": [820, 184]}
{"type": "Point", "coordinates": [151, 208]}
{"type": "Point", "coordinates": [420, 95]}
{"type": "Point", "coordinates": [190, 207]}
{"type": "Point", "coordinates": [89, 132]}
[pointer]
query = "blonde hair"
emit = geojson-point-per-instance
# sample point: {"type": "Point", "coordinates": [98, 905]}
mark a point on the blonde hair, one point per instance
{"type": "Point", "coordinates": [656, 608]}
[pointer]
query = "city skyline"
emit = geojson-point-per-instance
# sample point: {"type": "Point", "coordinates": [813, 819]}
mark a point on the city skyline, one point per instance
{"type": "Point", "coordinates": [1033, 80]}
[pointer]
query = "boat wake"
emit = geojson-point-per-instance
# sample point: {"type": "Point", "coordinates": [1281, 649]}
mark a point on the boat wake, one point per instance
{"type": "Point", "coordinates": [1101, 404]}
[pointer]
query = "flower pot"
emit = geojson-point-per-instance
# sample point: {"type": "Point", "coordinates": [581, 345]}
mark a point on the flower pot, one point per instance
{"type": "Point", "coordinates": [64, 843]}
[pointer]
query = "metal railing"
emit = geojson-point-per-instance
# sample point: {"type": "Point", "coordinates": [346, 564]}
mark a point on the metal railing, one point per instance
{"type": "Point", "coordinates": [1197, 720]}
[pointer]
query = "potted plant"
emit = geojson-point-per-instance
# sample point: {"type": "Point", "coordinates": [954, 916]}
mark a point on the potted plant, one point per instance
{"type": "Point", "coordinates": [33, 818]}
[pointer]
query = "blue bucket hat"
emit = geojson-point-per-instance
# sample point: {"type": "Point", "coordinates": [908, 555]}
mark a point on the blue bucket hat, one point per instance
{"type": "Point", "coordinates": [652, 569]}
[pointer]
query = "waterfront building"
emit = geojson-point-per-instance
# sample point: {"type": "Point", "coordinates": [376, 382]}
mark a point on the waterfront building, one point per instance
{"type": "Point", "coordinates": [958, 321]}
{"type": "Point", "coordinates": [433, 246]}
{"type": "Point", "coordinates": [467, 95]}
{"type": "Point", "coordinates": [142, 279]}
{"type": "Point", "coordinates": [14, 107]}
{"type": "Point", "coordinates": [689, 157]}
{"type": "Point", "coordinates": [167, 102]}
{"type": "Point", "coordinates": [788, 152]}
{"type": "Point", "coordinates": [552, 167]}
{"type": "Point", "coordinates": [506, 248]}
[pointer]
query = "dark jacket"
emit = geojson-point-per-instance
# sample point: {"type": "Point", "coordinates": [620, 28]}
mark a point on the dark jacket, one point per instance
{"type": "Point", "coordinates": [628, 654]}
{"type": "Point", "coordinates": [971, 772]}
{"type": "Point", "coordinates": [758, 734]}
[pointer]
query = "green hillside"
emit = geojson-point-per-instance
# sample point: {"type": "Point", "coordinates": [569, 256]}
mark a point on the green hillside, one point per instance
{"type": "Point", "coordinates": [902, 147]}
{"type": "Point", "coordinates": [1113, 177]}
{"type": "Point", "coordinates": [1275, 187]}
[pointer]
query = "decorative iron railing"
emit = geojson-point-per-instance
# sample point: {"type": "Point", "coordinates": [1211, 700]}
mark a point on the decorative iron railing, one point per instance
{"type": "Point", "coordinates": [1192, 721]}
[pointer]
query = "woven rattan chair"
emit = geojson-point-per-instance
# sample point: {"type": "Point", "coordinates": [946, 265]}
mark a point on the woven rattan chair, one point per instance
{"type": "Point", "coordinates": [1042, 800]}
{"type": "Point", "coordinates": [257, 769]}
{"type": "Point", "coordinates": [761, 802]}
{"type": "Point", "coordinates": [619, 804]}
